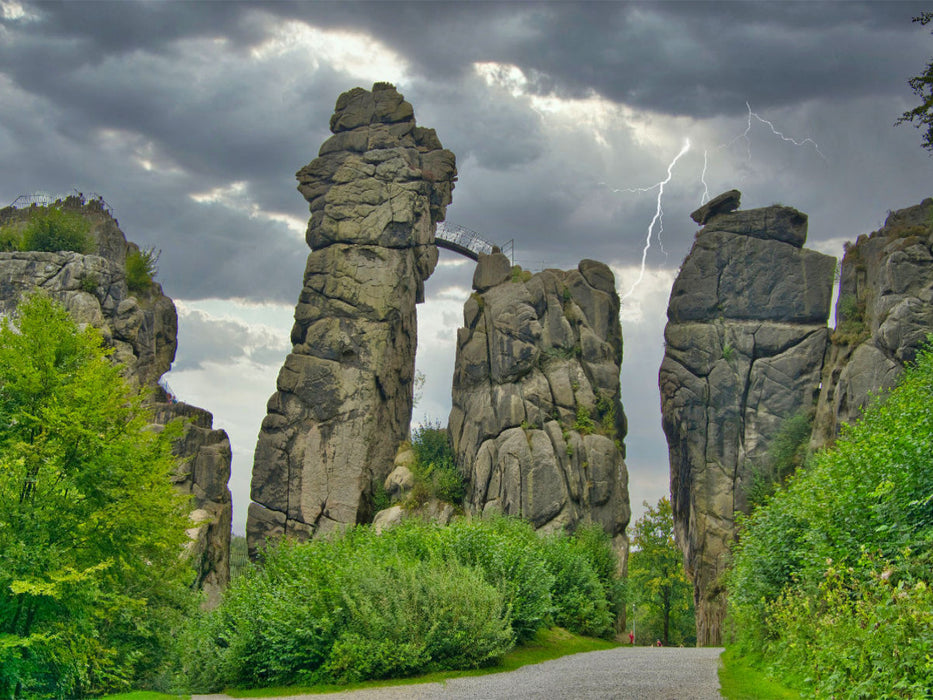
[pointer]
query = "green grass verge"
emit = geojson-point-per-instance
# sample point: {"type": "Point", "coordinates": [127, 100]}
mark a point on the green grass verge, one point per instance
{"type": "Point", "coordinates": [146, 695]}
{"type": "Point", "coordinates": [546, 645]}
{"type": "Point", "coordinates": [739, 680]}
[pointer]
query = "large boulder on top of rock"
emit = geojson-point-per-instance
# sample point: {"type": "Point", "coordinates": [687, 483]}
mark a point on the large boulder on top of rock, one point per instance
{"type": "Point", "coordinates": [745, 340]}
{"type": "Point", "coordinates": [344, 395]}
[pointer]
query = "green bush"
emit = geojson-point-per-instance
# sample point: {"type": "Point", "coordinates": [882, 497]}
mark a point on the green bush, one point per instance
{"type": "Point", "coordinates": [843, 554]}
{"type": "Point", "coordinates": [787, 452]}
{"type": "Point", "coordinates": [10, 239]}
{"type": "Point", "coordinates": [141, 268]}
{"type": "Point", "coordinates": [435, 469]}
{"type": "Point", "coordinates": [353, 607]}
{"type": "Point", "coordinates": [52, 229]}
{"type": "Point", "coordinates": [506, 551]}
{"type": "Point", "coordinates": [419, 597]}
{"type": "Point", "coordinates": [580, 601]}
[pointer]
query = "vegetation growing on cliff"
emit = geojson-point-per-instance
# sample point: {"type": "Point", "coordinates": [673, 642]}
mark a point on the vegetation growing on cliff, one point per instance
{"type": "Point", "coordinates": [141, 267]}
{"type": "Point", "coordinates": [832, 579]}
{"type": "Point", "coordinates": [49, 229]}
{"type": "Point", "coordinates": [92, 578]}
{"type": "Point", "coordinates": [435, 470]}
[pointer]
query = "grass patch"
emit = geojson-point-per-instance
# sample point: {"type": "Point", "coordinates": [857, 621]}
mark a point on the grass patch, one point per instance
{"type": "Point", "coordinates": [146, 695]}
{"type": "Point", "coordinates": [739, 680]}
{"type": "Point", "coordinates": [547, 644]}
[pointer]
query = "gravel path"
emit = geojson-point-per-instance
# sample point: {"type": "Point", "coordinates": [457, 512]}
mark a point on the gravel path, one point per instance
{"type": "Point", "coordinates": [640, 673]}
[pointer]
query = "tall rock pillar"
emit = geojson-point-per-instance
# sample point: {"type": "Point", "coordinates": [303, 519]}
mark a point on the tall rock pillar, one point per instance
{"type": "Point", "coordinates": [745, 341]}
{"type": "Point", "coordinates": [537, 424]}
{"type": "Point", "coordinates": [344, 395]}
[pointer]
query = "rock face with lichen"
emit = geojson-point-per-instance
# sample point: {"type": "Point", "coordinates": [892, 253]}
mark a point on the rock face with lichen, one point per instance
{"type": "Point", "coordinates": [537, 424]}
{"type": "Point", "coordinates": [745, 341]}
{"type": "Point", "coordinates": [344, 395]}
{"type": "Point", "coordinates": [141, 327]}
{"type": "Point", "coordinates": [884, 313]}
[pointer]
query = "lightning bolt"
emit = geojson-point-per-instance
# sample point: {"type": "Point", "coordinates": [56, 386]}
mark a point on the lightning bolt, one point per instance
{"type": "Point", "coordinates": [658, 217]}
{"type": "Point", "coordinates": [748, 146]}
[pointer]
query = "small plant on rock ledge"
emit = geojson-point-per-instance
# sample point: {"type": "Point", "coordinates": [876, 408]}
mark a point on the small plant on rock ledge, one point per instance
{"type": "Point", "coordinates": [141, 267]}
{"type": "Point", "coordinates": [584, 423]}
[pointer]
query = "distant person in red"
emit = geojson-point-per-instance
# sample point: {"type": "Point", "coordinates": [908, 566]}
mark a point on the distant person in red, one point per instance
{"type": "Point", "coordinates": [631, 637]}
{"type": "Point", "coordinates": [658, 643]}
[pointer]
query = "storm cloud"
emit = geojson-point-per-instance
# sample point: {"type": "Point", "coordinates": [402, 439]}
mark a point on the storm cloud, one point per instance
{"type": "Point", "coordinates": [191, 118]}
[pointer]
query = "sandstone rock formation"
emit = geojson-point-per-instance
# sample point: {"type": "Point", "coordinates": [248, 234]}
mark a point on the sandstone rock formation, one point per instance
{"type": "Point", "coordinates": [745, 340]}
{"type": "Point", "coordinates": [884, 313]}
{"type": "Point", "coordinates": [141, 327]}
{"type": "Point", "coordinates": [537, 424]}
{"type": "Point", "coordinates": [344, 395]}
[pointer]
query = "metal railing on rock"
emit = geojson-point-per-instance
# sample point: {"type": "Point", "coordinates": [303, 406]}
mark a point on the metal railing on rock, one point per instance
{"type": "Point", "coordinates": [464, 241]}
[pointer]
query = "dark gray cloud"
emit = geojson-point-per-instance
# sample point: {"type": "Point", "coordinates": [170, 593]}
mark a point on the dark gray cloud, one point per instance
{"type": "Point", "coordinates": [192, 118]}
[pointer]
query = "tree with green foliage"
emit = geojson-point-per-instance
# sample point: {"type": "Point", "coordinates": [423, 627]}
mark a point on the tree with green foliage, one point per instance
{"type": "Point", "coordinates": [832, 581]}
{"type": "Point", "coordinates": [658, 584]}
{"type": "Point", "coordinates": [922, 85]}
{"type": "Point", "coordinates": [92, 533]}
{"type": "Point", "coordinates": [52, 229]}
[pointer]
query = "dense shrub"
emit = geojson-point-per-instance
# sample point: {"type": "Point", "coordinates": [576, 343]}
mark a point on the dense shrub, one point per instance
{"type": "Point", "coordinates": [832, 575]}
{"type": "Point", "coordinates": [419, 597]}
{"type": "Point", "coordinates": [435, 469]}
{"type": "Point", "coordinates": [141, 267]}
{"type": "Point", "coordinates": [52, 229]}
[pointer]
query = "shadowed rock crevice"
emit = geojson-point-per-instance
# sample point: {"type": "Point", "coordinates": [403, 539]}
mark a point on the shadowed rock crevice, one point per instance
{"type": "Point", "coordinates": [344, 395]}
{"type": "Point", "coordinates": [745, 341]}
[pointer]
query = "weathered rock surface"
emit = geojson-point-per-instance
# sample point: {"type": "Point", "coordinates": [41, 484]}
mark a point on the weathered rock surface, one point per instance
{"type": "Point", "coordinates": [537, 424]}
{"type": "Point", "coordinates": [142, 330]}
{"type": "Point", "coordinates": [884, 313]}
{"type": "Point", "coordinates": [745, 341]}
{"type": "Point", "coordinates": [344, 395]}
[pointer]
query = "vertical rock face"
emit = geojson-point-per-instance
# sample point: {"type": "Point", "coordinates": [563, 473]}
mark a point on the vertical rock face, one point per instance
{"type": "Point", "coordinates": [141, 327]}
{"type": "Point", "coordinates": [883, 315]}
{"type": "Point", "coordinates": [536, 423]}
{"type": "Point", "coordinates": [745, 341]}
{"type": "Point", "coordinates": [344, 396]}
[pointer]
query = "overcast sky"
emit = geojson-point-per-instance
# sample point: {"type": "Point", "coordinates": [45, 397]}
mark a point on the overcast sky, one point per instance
{"type": "Point", "coordinates": [191, 118]}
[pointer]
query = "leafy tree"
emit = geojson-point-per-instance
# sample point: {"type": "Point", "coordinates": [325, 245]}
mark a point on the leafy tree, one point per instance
{"type": "Point", "coordinates": [92, 578]}
{"type": "Point", "coordinates": [922, 85]}
{"type": "Point", "coordinates": [52, 229]}
{"type": "Point", "coordinates": [657, 581]}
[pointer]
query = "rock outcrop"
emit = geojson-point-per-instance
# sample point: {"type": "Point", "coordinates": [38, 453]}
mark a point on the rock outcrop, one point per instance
{"type": "Point", "coordinates": [537, 424]}
{"type": "Point", "coordinates": [884, 313]}
{"type": "Point", "coordinates": [141, 327]}
{"type": "Point", "coordinates": [745, 341]}
{"type": "Point", "coordinates": [344, 395]}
